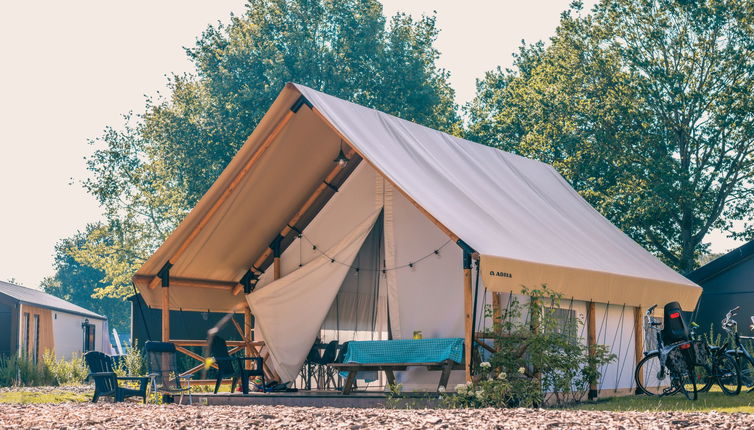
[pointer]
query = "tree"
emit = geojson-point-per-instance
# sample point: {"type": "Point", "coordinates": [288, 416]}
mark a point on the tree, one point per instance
{"type": "Point", "coordinates": [80, 284]}
{"type": "Point", "coordinates": [150, 172]}
{"type": "Point", "coordinates": [645, 107]}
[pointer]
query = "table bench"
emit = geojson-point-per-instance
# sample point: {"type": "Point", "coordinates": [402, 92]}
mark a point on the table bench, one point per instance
{"type": "Point", "coordinates": [353, 369]}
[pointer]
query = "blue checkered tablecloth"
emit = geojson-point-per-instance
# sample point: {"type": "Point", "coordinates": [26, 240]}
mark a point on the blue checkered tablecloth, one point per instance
{"type": "Point", "coordinates": [405, 351]}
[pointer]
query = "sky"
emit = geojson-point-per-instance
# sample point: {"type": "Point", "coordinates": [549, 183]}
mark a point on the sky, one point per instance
{"type": "Point", "coordinates": [71, 68]}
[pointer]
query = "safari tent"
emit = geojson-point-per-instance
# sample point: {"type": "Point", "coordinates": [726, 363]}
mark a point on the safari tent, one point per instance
{"type": "Point", "coordinates": [339, 221]}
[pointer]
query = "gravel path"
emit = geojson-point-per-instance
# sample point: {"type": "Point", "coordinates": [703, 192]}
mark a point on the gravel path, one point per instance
{"type": "Point", "coordinates": [128, 416]}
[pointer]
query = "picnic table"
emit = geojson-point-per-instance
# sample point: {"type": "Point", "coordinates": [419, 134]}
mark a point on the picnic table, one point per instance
{"type": "Point", "coordinates": [389, 356]}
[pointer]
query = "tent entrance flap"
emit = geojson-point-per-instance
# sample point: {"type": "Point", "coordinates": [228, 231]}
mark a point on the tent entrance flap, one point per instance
{"type": "Point", "coordinates": [359, 311]}
{"type": "Point", "coordinates": [290, 311]}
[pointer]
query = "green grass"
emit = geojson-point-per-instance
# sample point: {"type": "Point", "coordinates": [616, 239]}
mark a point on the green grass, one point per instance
{"type": "Point", "coordinates": [714, 401]}
{"type": "Point", "coordinates": [55, 396]}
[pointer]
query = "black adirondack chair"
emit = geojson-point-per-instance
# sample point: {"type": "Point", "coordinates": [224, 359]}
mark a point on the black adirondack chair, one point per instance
{"type": "Point", "coordinates": [233, 367]}
{"type": "Point", "coordinates": [106, 381]}
{"type": "Point", "coordinates": [162, 368]}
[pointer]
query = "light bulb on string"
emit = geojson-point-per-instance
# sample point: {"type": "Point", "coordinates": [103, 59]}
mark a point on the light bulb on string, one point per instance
{"type": "Point", "coordinates": [341, 159]}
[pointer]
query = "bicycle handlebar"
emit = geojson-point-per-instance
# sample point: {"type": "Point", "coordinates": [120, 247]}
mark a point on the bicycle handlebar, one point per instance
{"type": "Point", "coordinates": [728, 322]}
{"type": "Point", "coordinates": [651, 309]}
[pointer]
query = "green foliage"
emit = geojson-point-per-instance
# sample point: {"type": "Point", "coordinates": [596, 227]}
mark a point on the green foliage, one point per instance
{"type": "Point", "coordinates": [539, 358]}
{"type": "Point", "coordinates": [645, 107]}
{"type": "Point", "coordinates": [150, 172]}
{"type": "Point", "coordinates": [65, 372]}
{"type": "Point", "coordinates": [707, 402]}
{"type": "Point", "coordinates": [132, 363]}
{"type": "Point", "coordinates": [79, 283]}
{"type": "Point", "coordinates": [495, 390]}
{"type": "Point", "coordinates": [52, 397]}
{"type": "Point", "coordinates": [23, 371]}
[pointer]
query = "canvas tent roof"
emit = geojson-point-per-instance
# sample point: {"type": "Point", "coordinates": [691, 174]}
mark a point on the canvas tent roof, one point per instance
{"type": "Point", "coordinates": [526, 222]}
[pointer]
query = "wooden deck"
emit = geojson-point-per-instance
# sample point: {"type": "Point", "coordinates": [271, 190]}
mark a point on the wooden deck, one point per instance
{"type": "Point", "coordinates": [357, 399]}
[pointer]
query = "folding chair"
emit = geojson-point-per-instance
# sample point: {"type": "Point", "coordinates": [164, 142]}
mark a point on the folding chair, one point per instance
{"type": "Point", "coordinates": [162, 367]}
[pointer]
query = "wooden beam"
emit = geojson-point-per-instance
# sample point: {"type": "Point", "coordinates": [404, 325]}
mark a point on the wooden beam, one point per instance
{"type": "Point", "coordinates": [591, 341]}
{"type": "Point", "coordinates": [276, 268]}
{"type": "Point", "coordinates": [318, 192]}
{"type": "Point", "coordinates": [193, 355]}
{"type": "Point", "coordinates": [434, 220]}
{"type": "Point", "coordinates": [497, 313]}
{"type": "Point", "coordinates": [233, 343]}
{"type": "Point", "coordinates": [201, 366]}
{"type": "Point", "coordinates": [247, 333]}
{"type": "Point", "coordinates": [468, 312]}
{"type": "Point", "coordinates": [638, 340]}
{"type": "Point", "coordinates": [228, 190]}
{"type": "Point", "coordinates": [166, 314]}
{"type": "Point", "coordinates": [190, 282]}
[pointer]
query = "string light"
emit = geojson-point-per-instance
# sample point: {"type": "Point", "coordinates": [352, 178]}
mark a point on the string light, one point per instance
{"type": "Point", "coordinates": [410, 265]}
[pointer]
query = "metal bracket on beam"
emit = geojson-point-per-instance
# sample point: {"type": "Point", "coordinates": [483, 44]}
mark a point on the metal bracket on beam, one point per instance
{"type": "Point", "coordinates": [249, 281]}
{"type": "Point", "coordinates": [465, 247]}
{"type": "Point", "coordinates": [300, 102]}
{"type": "Point", "coordinates": [164, 274]}
{"type": "Point", "coordinates": [275, 246]}
{"type": "Point", "coordinates": [331, 186]}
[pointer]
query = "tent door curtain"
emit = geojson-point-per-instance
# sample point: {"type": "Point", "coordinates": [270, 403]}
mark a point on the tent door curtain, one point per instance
{"type": "Point", "coordinates": [290, 311]}
{"type": "Point", "coordinates": [359, 309]}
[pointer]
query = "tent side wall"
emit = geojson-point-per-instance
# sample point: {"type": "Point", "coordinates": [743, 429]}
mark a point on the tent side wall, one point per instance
{"type": "Point", "coordinates": [614, 328]}
{"type": "Point", "coordinates": [429, 296]}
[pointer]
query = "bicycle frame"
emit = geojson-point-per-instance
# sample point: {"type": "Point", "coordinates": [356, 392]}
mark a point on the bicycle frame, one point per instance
{"type": "Point", "coordinates": [662, 349]}
{"type": "Point", "coordinates": [731, 327]}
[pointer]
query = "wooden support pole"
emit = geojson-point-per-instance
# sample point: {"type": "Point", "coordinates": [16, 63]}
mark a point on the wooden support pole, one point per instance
{"type": "Point", "coordinates": [228, 190]}
{"type": "Point", "coordinates": [468, 312]}
{"type": "Point", "coordinates": [497, 312]}
{"type": "Point", "coordinates": [591, 341]}
{"type": "Point", "coordinates": [166, 314]}
{"type": "Point", "coordinates": [638, 340]}
{"type": "Point", "coordinates": [276, 257]}
{"type": "Point", "coordinates": [247, 333]}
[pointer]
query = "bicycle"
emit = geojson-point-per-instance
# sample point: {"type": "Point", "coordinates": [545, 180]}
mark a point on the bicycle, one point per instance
{"type": "Point", "coordinates": [717, 365]}
{"type": "Point", "coordinates": [668, 369]}
{"type": "Point", "coordinates": [744, 360]}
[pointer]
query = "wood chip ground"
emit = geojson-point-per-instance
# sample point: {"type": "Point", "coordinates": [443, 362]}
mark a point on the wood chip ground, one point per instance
{"type": "Point", "coordinates": [137, 416]}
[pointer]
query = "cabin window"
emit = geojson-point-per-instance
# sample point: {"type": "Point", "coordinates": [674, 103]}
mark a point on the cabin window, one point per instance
{"type": "Point", "coordinates": [89, 331]}
{"type": "Point", "coordinates": [25, 328]}
{"type": "Point", "coordinates": [35, 357]}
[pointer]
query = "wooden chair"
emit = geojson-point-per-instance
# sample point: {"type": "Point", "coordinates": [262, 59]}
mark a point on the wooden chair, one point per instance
{"type": "Point", "coordinates": [234, 367]}
{"type": "Point", "coordinates": [162, 368]}
{"type": "Point", "coordinates": [106, 381]}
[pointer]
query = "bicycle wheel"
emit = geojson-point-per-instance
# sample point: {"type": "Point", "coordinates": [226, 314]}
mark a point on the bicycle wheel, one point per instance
{"type": "Point", "coordinates": [746, 370]}
{"type": "Point", "coordinates": [727, 375]}
{"type": "Point", "coordinates": [652, 378]}
{"type": "Point", "coordinates": [705, 377]}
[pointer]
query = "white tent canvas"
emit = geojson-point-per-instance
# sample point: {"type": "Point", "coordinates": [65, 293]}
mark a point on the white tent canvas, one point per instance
{"type": "Point", "coordinates": [435, 192]}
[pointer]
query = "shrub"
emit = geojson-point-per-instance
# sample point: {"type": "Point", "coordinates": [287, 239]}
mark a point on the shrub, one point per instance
{"type": "Point", "coordinates": [538, 360]}
{"type": "Point", "coordinates": [23, 371]}
{"type": "Point", "coordinates": [131, 363]}
{"type": "Point", "coordinates": [66, 372]}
